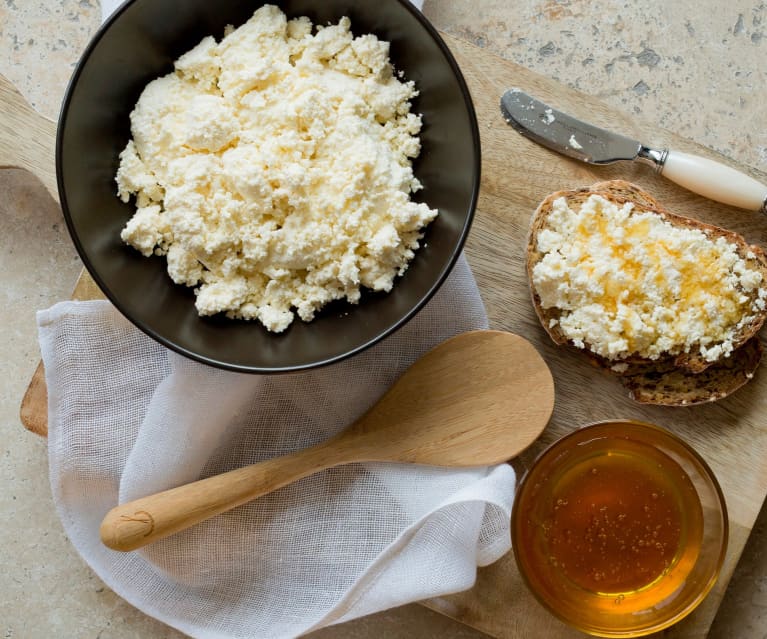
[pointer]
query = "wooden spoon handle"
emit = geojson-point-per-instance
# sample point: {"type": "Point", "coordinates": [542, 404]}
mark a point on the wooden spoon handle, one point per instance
{"type": "Point", "coordinates": [140, 522]}
{"type": "Point", "coordinates": [27, 139]}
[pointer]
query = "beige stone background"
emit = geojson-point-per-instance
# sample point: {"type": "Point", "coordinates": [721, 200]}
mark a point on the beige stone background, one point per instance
{"type": "Point", "coordinates": [696, 67]}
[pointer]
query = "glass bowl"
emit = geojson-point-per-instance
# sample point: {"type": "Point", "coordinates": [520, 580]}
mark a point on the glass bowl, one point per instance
{"type": "Point", "coordinates": [619, 529]}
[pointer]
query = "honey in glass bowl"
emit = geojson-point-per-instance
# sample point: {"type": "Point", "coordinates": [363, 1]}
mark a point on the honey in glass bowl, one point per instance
{"type": "Point", "coordinates": [619, 528]}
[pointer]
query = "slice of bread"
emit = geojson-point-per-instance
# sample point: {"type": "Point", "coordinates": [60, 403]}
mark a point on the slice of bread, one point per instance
{"type": "Point", "coordinates": [682, 378]}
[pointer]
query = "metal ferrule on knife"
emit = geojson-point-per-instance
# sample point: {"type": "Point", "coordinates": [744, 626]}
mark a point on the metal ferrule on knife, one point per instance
{"type": "Point", "coordinates": [655, 157]}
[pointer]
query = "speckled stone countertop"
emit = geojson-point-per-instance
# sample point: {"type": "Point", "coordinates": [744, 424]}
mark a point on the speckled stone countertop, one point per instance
{"type": "Point", "coordinates": [692, 66]}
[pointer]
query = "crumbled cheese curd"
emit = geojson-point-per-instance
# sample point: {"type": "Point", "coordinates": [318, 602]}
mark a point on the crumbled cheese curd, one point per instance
{"type": "Point", "coordinates": [273, 169]}
{"type": "Point", "coordinates": [633, 284]}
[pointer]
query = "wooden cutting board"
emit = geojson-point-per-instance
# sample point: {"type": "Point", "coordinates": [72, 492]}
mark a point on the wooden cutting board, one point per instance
{"type": "Point", "coordinates": [516, 175]}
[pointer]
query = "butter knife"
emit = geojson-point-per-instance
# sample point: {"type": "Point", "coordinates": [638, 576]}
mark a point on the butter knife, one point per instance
{"type": "Point", "coordinates": [588, 143]}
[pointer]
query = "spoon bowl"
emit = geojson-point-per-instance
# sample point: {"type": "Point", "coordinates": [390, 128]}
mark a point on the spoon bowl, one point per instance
{"type": "Point", "coordinates": [477, 399]}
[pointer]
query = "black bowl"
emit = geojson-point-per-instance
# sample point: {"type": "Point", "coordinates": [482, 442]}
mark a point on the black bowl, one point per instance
{"type": "Point", "coordinates": [139, 43]}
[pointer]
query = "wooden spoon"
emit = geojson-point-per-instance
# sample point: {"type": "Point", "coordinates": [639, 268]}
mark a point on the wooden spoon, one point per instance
{"type": "Point", "coordinates": [477, 399]}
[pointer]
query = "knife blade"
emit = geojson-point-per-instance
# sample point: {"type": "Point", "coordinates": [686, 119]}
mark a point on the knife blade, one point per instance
{"type": "Point", "coordinates": [563, 133]}
{"type": "Point", "coordinates": [582, 141]}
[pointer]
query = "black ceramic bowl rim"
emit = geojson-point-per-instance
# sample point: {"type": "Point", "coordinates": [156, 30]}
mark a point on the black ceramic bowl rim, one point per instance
{"type": "Point", "coordinates": [724, 542]}
{"type": "Point", "coordinates": [170, 343]}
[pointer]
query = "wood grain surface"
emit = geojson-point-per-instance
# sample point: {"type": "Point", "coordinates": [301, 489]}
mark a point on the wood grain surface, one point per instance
{"type": "Point", "coordinates": [27, 139]}
{"type": "Point", "coordinates": [516, 174]}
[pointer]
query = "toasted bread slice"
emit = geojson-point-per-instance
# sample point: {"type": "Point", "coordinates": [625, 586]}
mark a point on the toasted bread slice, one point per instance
{"type": "Point", "coordinates": [673, 378]}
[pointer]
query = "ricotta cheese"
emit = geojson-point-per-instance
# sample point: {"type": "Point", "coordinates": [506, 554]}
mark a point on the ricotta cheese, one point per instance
{"type": "Point", "coordinates": [633, 284]}
{"type": "Point", "coordinates": [574, 143]}
{"type": "Point", "coordinates": [273, 169]}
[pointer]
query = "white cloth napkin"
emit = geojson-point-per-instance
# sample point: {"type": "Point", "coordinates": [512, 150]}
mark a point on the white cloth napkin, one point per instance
{"type": "Point", "coordinates": [127, 418]}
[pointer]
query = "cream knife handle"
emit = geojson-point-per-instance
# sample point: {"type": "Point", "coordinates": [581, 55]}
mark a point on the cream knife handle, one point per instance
{"type": "Point", "coordinates": [715, 181]}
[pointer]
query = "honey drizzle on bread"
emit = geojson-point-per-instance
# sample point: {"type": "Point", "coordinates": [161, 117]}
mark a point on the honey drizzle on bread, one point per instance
{"type": "Point", "coordinates": [671, 379]}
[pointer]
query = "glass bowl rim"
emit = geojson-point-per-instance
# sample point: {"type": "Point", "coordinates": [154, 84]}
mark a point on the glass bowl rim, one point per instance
{"type": "Point", "coordinates": [723, 540]}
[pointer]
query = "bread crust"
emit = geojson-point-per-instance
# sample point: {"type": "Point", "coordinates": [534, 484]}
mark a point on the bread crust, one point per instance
{"type": "Point", "coordinates": [681, 371]}
{"type": "Point", "coordinates": [679, 387]}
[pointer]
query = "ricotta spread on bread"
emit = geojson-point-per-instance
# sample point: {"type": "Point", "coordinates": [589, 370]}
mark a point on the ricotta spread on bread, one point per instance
{"type": "Point", "coordinates": [273, 169]}
{"type": "Point", "coordinates": [630, 284]}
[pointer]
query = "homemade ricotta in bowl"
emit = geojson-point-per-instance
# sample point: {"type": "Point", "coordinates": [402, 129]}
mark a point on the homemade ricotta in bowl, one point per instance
{"type": "Point", "coordinates": [273, 169]}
